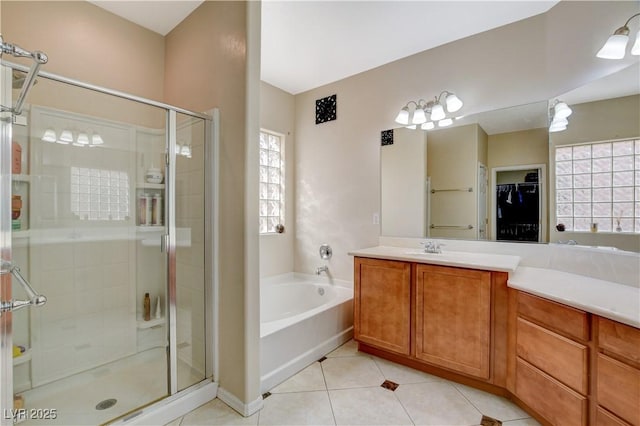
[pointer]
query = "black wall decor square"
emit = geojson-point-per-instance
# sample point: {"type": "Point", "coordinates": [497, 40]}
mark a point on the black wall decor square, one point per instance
{"type": "Point", "coordinates": [326, 109]}
{"type": "Point", "coordinates": [386, 137]}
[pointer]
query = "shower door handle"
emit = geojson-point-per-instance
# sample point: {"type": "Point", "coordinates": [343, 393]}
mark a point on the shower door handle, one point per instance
{"type": "Point", "coordinates": [35, 299]}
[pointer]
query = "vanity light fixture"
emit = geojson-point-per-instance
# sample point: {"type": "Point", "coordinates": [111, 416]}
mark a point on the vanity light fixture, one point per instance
{"type": "Point", "coordinates": [66, 138]}
{"type": "Point", "coordinates": [616, 44]}
{"type": "Point", "coordinates": [435, 109]}
{"type": "Point", "coordinates": [559, 112]}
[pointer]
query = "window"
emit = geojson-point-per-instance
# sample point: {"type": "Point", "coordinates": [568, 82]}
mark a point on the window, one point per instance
{"type": "Point", "coordinates": [99, 194]}
{"type": "Point", "coordinates": [271, 181]}
{"type": "Point", "coordinates": [599, 183]}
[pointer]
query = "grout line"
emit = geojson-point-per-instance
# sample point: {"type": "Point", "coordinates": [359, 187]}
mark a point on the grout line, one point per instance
{"type": "Point", "coordinates": [333, 413]}
{"type": "Point", "coordinates": [468, 400]}
{"type": "Point", "coordinates": [403, 407]}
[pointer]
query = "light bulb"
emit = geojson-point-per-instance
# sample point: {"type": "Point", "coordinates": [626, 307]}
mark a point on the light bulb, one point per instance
{"type": "Point", "coordinates": [49, 135]}
{"type": "Point", "coordinates": [453, 103]}
{"type": "Point", "coordinates": [561, 110]}
{"type": "Point", "coordinates": [635, 50]}
{"type": "Point", "coordinates": [446, 122]}
{"type": "Point", "coordinates": [403, 116]}
{"type": "Point", "coordinates": [428, 126]}
{"type": "Point", "coordinates": [419, 116]}
{"type": "Point", "coordinates": [615, 47]}
{"type": "Point", "coordinates": [66, 137]}
{"type": "Point", "coordinates": [412, 127]}
{"type": "Point", "coordinates": [96, 139]}
{"type": "Point", "coordinates": [558, 126]}
{"type": "Point", "coordinates": [83, 139]}
{"type": "Point", "coordinates": [437, 112]}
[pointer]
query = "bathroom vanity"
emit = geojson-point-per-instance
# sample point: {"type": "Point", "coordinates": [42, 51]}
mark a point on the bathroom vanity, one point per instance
{"type": "Point", "coordinates": [481, 320]}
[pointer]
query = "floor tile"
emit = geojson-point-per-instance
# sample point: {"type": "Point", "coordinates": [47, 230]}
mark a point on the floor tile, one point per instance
{"type": "Point", "coordinates": [309, 379]}
{"type": "Point", "coordinates": [402, 374]}
{"type": "Point", "coordinates": [351, 372]}
{"type": "Point", "coordinates": [523, 422]}
{"type": "Point", "coordinates": [437, 403]}
{"type": "Point", "coordinates": [302, 408]}
{"type": "Point", "coordinates": [367, 406]}
{"type": "Point", "coordinates": [349, 348]}
{"type": "Point", "coordinates": [217, 412]}
{"type": "Point", "coordinates": [492, 405]}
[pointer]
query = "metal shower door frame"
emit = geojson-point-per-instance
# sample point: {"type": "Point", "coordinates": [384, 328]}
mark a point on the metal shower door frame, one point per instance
{"type": "Point", "coordinates": [6, 337]}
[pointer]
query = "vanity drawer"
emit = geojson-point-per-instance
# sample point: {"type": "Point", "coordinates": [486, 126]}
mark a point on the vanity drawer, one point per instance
{"type": "Point", "coordinates": [566, 320]}
{"type": "Point", "coordinates": [618, 387]}
{"type": "Point", "coordinates": [554, 354]}
{"type": "Point", "coordinates": [557, 403]}
{"type": "Point", "coordinates": [619, 339]}
{"type": "Point", "coordinates": [605, 418]}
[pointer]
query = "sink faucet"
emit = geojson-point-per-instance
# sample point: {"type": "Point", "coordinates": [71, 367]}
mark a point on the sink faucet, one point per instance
{"type": "Point", "coordinates": [322, 269]}
{"type": "Point", "coordinates": [431, 246]}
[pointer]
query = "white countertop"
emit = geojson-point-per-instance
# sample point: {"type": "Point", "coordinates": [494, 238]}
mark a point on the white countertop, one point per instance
{"type": "Point", "coordinates": [618, 302]}
{"type": "Point", "coordinates": [460, 259]}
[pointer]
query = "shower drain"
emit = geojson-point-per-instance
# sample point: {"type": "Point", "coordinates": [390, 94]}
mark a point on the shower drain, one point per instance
{"type": "Point", "coordinates": [107, 403]}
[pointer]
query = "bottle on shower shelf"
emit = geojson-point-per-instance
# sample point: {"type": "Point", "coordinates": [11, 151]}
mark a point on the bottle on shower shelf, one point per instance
{"type": "Point", "coordinates": [147, 307]}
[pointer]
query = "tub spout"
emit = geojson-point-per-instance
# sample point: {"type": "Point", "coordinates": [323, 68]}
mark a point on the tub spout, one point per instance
{"type": "Point", "coordinates": [322, 269]}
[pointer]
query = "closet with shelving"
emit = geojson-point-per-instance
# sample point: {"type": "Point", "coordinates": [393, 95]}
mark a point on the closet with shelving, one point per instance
{"type": "Point", "coordinates": [518, 205]}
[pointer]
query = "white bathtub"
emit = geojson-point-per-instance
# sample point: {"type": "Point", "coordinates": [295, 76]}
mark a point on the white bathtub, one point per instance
{"type": "Point", "coordinates": [302, 318]}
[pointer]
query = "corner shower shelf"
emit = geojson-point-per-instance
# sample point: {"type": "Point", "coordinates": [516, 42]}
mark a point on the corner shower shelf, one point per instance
{"type": "Point", "coordinates": [21, 234]}
{"type": "Point", "coordinates": [146, 185]}
{"type": "Point", "coordinates": [25, 357]}
{"type": "Point", "coordinates": [153, 322]}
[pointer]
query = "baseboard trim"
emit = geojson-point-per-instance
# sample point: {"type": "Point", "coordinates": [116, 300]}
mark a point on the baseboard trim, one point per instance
{"type": "Point", "coordinates": [234, 402]}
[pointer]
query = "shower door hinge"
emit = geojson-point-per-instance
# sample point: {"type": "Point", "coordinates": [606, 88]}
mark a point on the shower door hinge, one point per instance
{"type": "Point", "coordinates": [166, 158]}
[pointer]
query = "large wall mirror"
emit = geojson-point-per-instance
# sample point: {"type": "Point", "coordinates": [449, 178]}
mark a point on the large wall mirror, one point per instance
{"type": "Point", "coordinates": [492, 175]}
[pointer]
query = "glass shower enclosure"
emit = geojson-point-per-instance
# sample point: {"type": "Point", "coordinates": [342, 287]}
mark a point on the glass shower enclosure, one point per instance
{"type": "Point", "coordinates": [108, 197]}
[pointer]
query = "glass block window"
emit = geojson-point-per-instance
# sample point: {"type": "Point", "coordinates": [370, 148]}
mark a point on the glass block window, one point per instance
{"type": "Point", "coordinates": [271, 181]}
{"type": "Point", "coordinates": [99, 194]}
{"type": "Point", "coordinates": [599, 183]}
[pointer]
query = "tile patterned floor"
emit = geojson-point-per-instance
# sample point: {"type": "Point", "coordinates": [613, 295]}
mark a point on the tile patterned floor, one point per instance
{"type": "Point", "coordinates": [344, 389]}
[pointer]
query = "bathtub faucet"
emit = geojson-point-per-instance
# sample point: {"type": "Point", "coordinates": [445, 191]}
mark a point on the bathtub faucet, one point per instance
{"type": "Point", "coordinates": [322, 269]}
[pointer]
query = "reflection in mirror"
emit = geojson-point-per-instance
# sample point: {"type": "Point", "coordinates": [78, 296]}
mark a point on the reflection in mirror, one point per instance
{"type": "Point", "coordinates": [444, 183]}
{"type": "Point", "coordinates": [595, 165]}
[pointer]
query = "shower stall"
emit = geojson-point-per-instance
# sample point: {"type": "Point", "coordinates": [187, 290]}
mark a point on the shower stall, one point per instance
{"type": "Point", "coordinates": [107, 237]}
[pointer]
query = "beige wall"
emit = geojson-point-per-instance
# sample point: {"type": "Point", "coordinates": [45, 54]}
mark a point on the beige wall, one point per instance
{"type": "Point", "coordinates": [403, 177]}
{"type": "Point", "coordinates": [218, 78]}
{"type": "Point", "coordinates": [609, 119]}
{"type": "Point", "coordinates": [452, 163]}
{"type": "Point", "coordinates": [87, 43]}
{"type": "Point", "coordinates": [337, 170]}
{"type": "Point", "coordinates": [277, 114]}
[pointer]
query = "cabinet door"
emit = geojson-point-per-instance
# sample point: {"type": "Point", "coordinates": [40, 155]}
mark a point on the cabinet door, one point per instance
{"type": "Point", "coordinates": [453, 318]}
{"type": "Point", "coordinates": [618, 388]}
{"type": "Point", "coordinates": [382, 308]}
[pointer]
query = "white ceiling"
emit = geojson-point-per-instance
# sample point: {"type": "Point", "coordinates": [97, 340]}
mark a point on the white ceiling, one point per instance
{"type": "Point", "coordinates": [160, 16]}
{"type": "Point", "coordinates": [306, 44]}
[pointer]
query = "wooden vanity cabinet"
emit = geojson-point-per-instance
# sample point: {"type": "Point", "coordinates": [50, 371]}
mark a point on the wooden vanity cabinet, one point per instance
{"type": "Point", "coordinates": [552, 359]}
{"type": "Point", "coordinates": [441, 319]}
{"type": "Point", "coordinates": [382, 304]}
{"type": "Point", "coordinates": [618, 374]}
{"type": "Point", "coordinates": [453, 319]}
